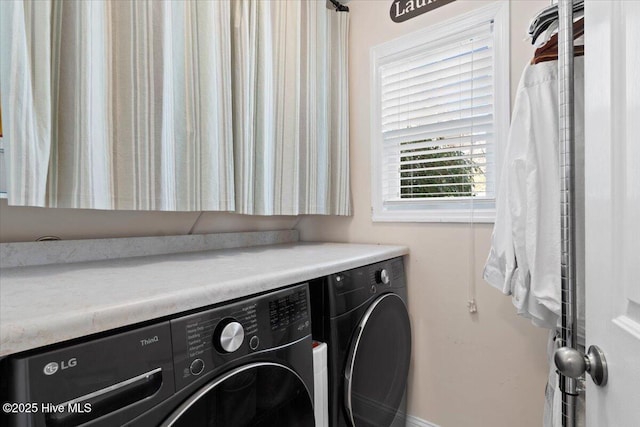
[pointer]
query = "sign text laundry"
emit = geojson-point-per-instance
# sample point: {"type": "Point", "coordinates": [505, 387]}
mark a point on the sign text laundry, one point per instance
{"type": "Point", "coordinates": [401, 10]}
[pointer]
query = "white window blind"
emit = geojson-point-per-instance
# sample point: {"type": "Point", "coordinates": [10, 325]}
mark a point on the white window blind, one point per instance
{"type": "Point", "coordinates": [436, 119]}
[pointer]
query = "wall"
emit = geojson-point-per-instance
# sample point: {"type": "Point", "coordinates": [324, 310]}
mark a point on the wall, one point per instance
{"type": "Point", "coordinates": [22, 224]}
{"type": "Point", "coordinates": [486, 369]}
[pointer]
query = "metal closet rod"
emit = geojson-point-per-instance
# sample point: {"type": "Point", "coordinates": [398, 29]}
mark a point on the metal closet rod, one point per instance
{"type": "Point", "coordinates": [568, 386]}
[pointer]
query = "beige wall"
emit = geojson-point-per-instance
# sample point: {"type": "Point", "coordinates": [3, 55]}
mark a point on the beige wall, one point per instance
{"type": "Point", "coordinates": [486, 369]}
{"type": "Point", "coordinates": [23, 224]}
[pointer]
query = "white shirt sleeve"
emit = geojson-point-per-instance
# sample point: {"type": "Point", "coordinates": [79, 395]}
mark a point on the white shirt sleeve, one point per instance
{"type": "Point", "coordinates": [503, 267]}
{"type": "Point", "coordinates": [524, 260]}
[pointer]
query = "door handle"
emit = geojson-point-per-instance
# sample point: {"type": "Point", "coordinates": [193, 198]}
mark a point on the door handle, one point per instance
{"type": "Point", "coordinates": [572, 363]}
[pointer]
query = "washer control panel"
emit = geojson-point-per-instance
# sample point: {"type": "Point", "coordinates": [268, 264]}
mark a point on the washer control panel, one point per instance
{"type": "Point", "coordinates": [287, 310]}
{"type": "Point", "coordinates": [207, 340]}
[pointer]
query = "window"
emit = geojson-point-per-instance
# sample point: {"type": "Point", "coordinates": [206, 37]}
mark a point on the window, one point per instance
{"type": "Point", "coordinates": [440, 111]}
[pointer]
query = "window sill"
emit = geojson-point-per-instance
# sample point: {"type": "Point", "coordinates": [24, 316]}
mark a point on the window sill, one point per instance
{"type": "Point", "coordinates": [449, 216]}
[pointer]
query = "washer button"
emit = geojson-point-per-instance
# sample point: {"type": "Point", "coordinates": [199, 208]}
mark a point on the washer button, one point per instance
{"type": "Point", "coordinates": [254, 342]}
{"type": "Point", "coordinates": [197, 366]}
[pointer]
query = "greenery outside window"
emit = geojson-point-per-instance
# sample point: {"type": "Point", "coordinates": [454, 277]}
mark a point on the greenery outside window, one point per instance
{"type": "Point", "coordinates": [439, 114]}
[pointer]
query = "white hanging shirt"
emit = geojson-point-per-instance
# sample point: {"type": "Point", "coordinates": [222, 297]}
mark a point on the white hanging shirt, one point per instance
{"type": "Point", "coordinates": [524, 260]}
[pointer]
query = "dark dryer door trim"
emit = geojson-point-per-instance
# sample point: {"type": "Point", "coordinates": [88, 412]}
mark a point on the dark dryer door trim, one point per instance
{"type": "Point", "coordinates": [378, 363]}
{"type": "Point", "coordinates": [262, 394]}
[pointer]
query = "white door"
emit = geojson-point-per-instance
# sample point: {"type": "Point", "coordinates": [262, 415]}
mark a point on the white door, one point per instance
{"type": "Point", "coordinates": [612, 206]}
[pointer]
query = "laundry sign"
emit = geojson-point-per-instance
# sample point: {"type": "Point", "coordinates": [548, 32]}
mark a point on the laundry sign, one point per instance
{"type": "Point", "coordinates": [401, 10]}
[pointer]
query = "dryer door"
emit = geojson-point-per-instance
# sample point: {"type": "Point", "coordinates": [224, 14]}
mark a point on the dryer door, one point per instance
{"type": "Point", "coordinates": [378, 363]}
{"type": "Point", "coordinates": [259, 394]}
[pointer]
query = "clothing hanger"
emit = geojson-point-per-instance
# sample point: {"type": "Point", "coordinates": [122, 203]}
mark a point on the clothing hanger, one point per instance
{"type": "Point", "coordinates": [547, 16]}
{"type": "Point", "coordinates": [339, 7]}
{"type": "Point", "coordinates": [549, 51]}
{"type": "Point", "coordinates": [544, 36]}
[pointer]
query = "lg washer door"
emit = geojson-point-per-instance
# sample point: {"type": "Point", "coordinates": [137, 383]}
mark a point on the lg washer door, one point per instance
{"type": "Point", "coordinates": [378, 364]}
{"type": "Point", "coordinates": [258, 394]}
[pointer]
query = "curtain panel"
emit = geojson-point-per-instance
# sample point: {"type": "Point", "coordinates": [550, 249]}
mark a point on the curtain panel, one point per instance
{"type": "Point", "coordinates": [290, 85]}
{"type": "Point", "coordinates": [119, 105]}
{"type": "Point", "coordinates": [176, 105]}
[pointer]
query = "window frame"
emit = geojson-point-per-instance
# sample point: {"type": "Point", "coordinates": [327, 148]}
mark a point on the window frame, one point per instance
{"type": "Point", "coordinates": [441, 209]}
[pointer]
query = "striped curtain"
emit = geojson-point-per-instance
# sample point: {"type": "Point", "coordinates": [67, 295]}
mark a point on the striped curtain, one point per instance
{"type": "Point", "coordinates": [132, 105]}
{"type": "Point", "coordinates": [25, 79]}
{"type": "Point", "coordinates": [290, 88]}
{"type": "Point", "coordinates": [128, 105]}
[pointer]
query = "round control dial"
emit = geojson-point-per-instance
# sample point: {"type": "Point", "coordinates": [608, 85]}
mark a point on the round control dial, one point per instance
{"type": "Point", "coordinates": [196, 367]}
{"type": "Point", "coordinates": [231, 336]}
{"type": "Point", "coordinates": [254, 342]}
{"type": "Point", "coordinates": [382, 276]}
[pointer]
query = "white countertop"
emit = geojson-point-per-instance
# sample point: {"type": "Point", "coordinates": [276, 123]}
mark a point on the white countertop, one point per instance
{"type": "Point", "coordinates": [46, 304]}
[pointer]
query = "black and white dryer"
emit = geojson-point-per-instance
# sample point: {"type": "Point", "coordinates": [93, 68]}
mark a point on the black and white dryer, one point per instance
{"type": "Point", "coordinates": [362, 316]}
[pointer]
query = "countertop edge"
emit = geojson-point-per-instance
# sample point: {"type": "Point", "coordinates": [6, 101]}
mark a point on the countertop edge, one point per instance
{"type": "Point", "coordinates": [72, 325]}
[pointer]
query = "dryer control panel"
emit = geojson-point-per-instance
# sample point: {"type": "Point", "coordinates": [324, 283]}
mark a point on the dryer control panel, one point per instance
{"type": "Point", "coordinates": [350, 289]}
{"type": "Point", "coordinates": [207, 340]}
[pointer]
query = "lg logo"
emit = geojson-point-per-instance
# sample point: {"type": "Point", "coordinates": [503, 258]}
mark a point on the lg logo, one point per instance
{"type": "Point", "coordinates": [52, 367]}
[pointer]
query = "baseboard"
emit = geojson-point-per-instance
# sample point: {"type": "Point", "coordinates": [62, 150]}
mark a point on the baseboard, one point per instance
{"type": "Point", "coordinates": [417, 422]}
